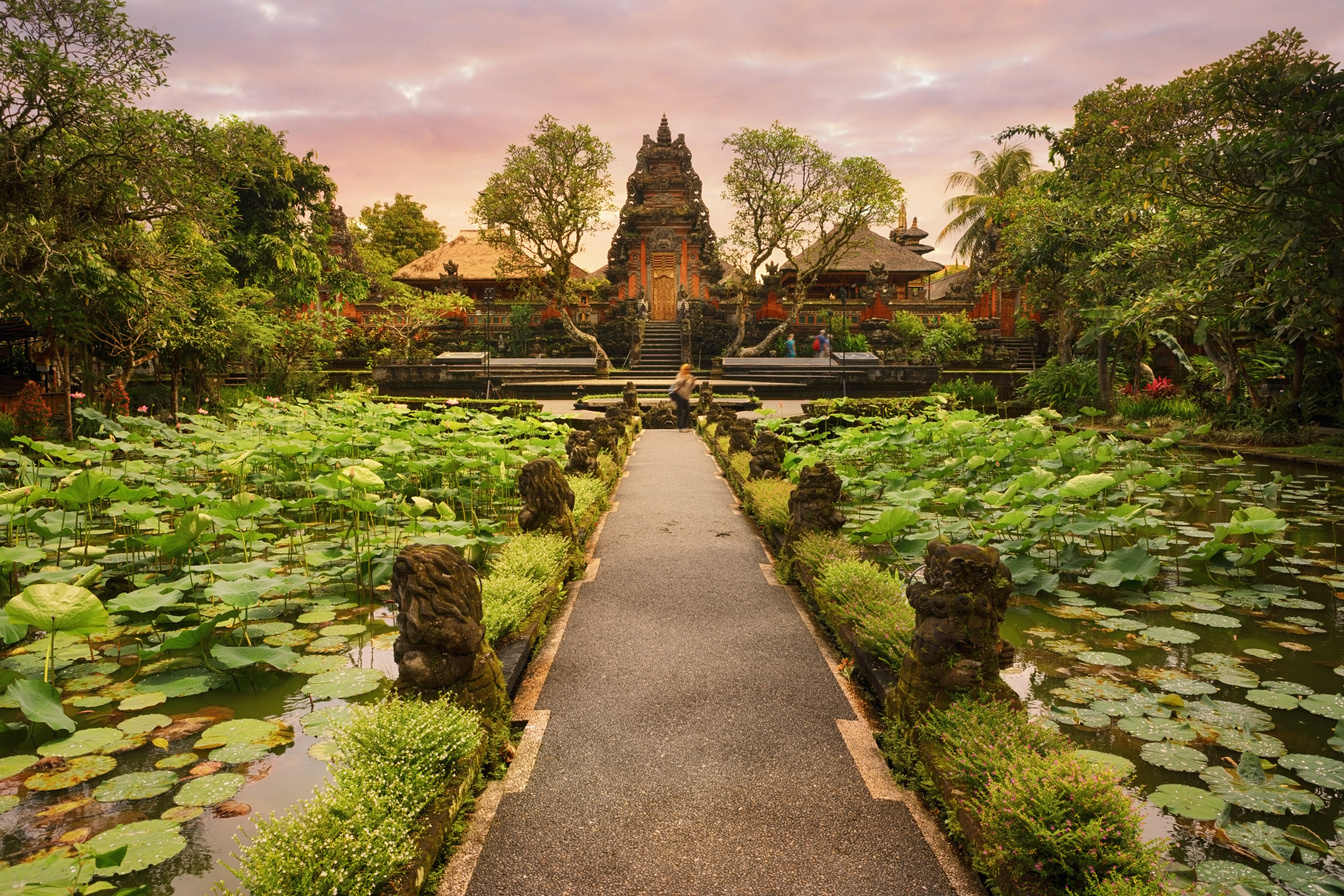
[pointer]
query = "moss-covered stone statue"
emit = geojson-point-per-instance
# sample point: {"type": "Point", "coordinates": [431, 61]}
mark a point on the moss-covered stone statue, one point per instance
{"type": "Point", "coordinates": [955, 650]}
{"type": "Point", "coordinates": [582, 454]}
{"type": "Point", "coordinates": [812, 504]}
{"type": "Point", "coordinates": [767, 457]}
{"type": "Point", "coordinates": [441, 643]}
{"type": "Point", "coordinates": [741, 436]}
{"type": "Point", "coordinates": [630, 398]}
{"type": "Point", "coordinates": [606, 437]}
{"type": "Point", "coordinates": [548, 501]}
{"type": "Point", "coordinates": [661, 416]}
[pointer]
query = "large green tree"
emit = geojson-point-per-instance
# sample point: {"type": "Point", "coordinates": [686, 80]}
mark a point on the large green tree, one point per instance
{"type": "Point", "coordinates": [539, 208]}
{"type": "Point", "coordinates": [794, 201]}
{"type": "Point", "coordinates": [398, 229]}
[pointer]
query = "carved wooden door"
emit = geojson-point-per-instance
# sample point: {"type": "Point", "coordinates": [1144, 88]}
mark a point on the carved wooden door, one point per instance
{"type": "Point", "coordinates": [663, 302]}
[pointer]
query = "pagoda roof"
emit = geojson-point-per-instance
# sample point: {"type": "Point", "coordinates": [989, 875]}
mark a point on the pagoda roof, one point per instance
{"type": "Point", "coordinates": [869, 247]}
{"type": "Point", "coordinates": [475, 259]}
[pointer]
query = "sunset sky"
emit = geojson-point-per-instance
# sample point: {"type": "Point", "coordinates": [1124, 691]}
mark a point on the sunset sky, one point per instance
{"type": "Point", "coordinates": [424, 97]}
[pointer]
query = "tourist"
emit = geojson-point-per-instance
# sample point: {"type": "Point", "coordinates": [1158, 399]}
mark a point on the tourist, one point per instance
{"type": "Point", "coordinates": [825, 344]}
{"type": "Point", "coordinates": [680, 393]}
{"type": "Point", "coordinates": [790, 350]}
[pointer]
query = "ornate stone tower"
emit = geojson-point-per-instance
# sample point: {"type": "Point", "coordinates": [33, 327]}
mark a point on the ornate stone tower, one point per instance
{"type": "Point", "coordinates": [663, 243]}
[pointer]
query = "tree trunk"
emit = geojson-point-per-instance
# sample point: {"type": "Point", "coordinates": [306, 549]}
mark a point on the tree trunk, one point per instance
{"type": "Point", "coordinates": [63, 376]}
{"type": "Point", "coordinates": [573, 331]}
{"type": "Point", "coordinates": [1104, 384]}
{"type": "Point", "coordinates": [177, 382]}
{"type": "Point", "coordinates": [779, 329]}
{"type": "Point", "coordinates": [1299, 366]}
{"type": "Point", "coordinates": [732, 349]}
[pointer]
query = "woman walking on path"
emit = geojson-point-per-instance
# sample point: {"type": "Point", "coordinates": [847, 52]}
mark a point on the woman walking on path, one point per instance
{"type": "Point", "coordinates": [680, 393]}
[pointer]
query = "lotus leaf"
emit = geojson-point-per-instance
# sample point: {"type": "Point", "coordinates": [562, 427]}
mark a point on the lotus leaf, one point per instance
{"type": "Point", "coordinates": [184, 682]}
{"type": "Point", "coordinates": [345, 630]}
{"type": "Point", "coordinates": [1246, 599]}
{"type": "Point", "coordinates": [1275, 794]}
{"type": "Point", "coordinates": [1158, 729]}
{"type": "Point", "coordinates": [135, 786]}
{"type": "Point", "coordinates": [1272, 699]}
{"type": "Point", "coordinates": [1240, 741]}
{"type": "Point", "coordinates": [1295, 603]}
{"type": "Point", "coordinates": [209, 789]}
{"type": "Point", "coordinates": [90, 702]}
{"type": "Point", "coordinates": [1121, 766]}
{"type": "Point", "coordinates": [1288, 687]}
{"type": "Point", "coordinates": [1135, 707]}
{"type": "Point", "coordinates": [1103, 658]}
{"type": "Point", "coordinates": [1132, 564]}
{"type": "Point", "coordinates": [1306, 838]}
{"type": "Point", "coordinates": [315, 616]}
{"type": "Point", "coordinates": [177, 760]}
{"type": "Point", "coordinates": [1173, 756]}
{"type": "Point", "coordinates": [86, 683]}
{"type": "Point", "coordinates": [1212, 620]}
{"type": "Point", "coordinates": [1086, 485]}
{"type": "Point", "coordinates": [144, 724]}
{"type": "Point", "coordinates": [1167, 635]}
{"type": "Point", "coordinates": [293, 638]}
{"type": "Point", "coordinates": [13, 765]}
{"type": "Point", "coordinates": [182, 813]}
{"type": "Point", "coordinates": [267, 629]}
{"type": "Point", "coordinates": [143, 700]}
{"type": "Point", "coordinates": [1225, 714]}
{"type": "Point", "coordinates": [148, 600]}
{"type": "Point", "coordinates": [324, 750]}
{"type": "Point", "coordinates": [148, 843]}
{"type": "Point", "coordinates": [241, 657]}
{"type": "Point", "coordinates": [328, 645]}
{"type": "Point", "coordinates": [58, 608]}
{"type": "Point", "coordinates": [237, 731]}
{"type": "Point", "coordinates": [316, 665]}
{"type": "Point", "coordinates": [1319, 770]}
{"type": "Point", "coordinates": [1122, 624]}
{"type": "Point", "coordinates": [52, 875]}
{"type": "Point", "coordinates": [1307, 880]}
{"type": "Point", "coordinates": [1237, 879]}
{"type": "Point", "coordinates": [343, 683]}
{"type": "Point", "coordinates": [75, 771]}
{"type": "Point", "coordinates": [235, 754]}
{"type": "Point", "coordinates": [1073, 715]}
{"type": "Point", "coordinates": [1187, 801]}
{"type": "Point", "coordinates": [320, 722]}
{"type": "Point", "coordinates": [362, 477]}
{"type": "Point", "coordinates": [1329, 705]}
{"type": "Point", "coordinates": [82, 743]}
{"type": "Point", "coordinates": [1265, 840]}
{"type": "Point", "coordinates": [40, 702]}
{"type": "Point", "coordinates": [1176, 681]}
{"type": "Point", "coordinates": [1237, 678]}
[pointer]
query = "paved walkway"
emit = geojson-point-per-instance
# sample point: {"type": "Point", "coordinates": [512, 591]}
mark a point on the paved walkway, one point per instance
{"type": "Point", "coordinates": [687, 735]}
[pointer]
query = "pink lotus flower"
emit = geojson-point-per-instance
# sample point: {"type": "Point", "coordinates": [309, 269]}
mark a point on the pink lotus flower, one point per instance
{"type": "Point", "coordinates": [78, 395]}
{"type": "Point", "coordinates": [143, 409]}
{"type": "Point", "coordinates": [200, 410]}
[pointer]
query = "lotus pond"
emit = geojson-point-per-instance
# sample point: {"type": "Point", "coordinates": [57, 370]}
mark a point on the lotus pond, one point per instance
{"type": "Point", "coordinates": [189, 613]}
{"type": "Point", "coordinates": [1178, 613]}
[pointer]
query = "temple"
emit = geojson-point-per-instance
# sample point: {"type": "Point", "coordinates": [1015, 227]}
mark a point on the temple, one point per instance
{"type": "Point", "coordinates": [663, 247]}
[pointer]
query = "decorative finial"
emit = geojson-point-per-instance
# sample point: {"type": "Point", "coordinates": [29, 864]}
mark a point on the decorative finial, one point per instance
{"type": "Point", "coordinates": [664, 132]}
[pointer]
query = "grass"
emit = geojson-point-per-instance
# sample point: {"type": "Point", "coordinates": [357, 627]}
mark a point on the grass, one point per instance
{"type": "Point", "coordinates": [589, 492]}
{"type": "Point", "coordinates": [768, 501]}
{"type": "Point", "coordinates": [507, 600]}
{"type": "Point", "coordinates": [872, 600]}
{"type": "Point", "coordinates": [740, 463]}
{"type": "Point", "coordinates": [393, 760]}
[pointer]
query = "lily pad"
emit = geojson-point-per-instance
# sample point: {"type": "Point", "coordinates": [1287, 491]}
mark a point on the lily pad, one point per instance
{"type": "Point", "coordinates": [135, 786]}
{"type": "Point", "coordinates": [1074, 715]}
{"type": "Point", "coordinates": [343, 683]}
{"type": "Point", "coordinates": [1265, 840]}
{"type": "Point", "coordinates": [320, 722]}
{"type": "Point", "coordinates": [82, 743]}
{"type": "Point", "coordinates": [1158, 729]}
{"type": "Point", "coordinates": [1211, 620]}
{"type": "Point", "coordinates": [345, 630]}
{"type": "Point", "coordinates": [328, 645]}
{"type": "Point", "coordinates": [1329, 705]}
{"type": "Point", "coordinates": [1225, 714]}
{"type": "Point", "coordinates": [1103, 658]}
{"type": "Point", "coordinates": [148, 843]}
{"type": "Point", "coordinates": [181, 813]}
{"type": "Point", "coordinates": [1307, 880]}
{"type": "Point", "coordinates": [184, 682]}
{"type": "Point", "coordinates": [1320, 770]}
{"type": "Point", "coordinates": [1249, 787]}
{"type": "Point", "coordinates": [1176, 757]}
{"type": "Point", "coordinates": [177, 760]}
{"type": "Point", "coordinates": [1262, 653]}
{"type": "Point", "coordinates": [1187, 801]}
{"type": "Point", "coordinates": [293, 638]}
{"type": "Point", "coordinates": [1289, 687]}
{"type": "Point", "coordinates": [13, 765]}
{"type": "Point", "coordinates": [75, 771]}
{"type": "Point", "coordinates": [143, 701]}
{"type": "Point", "coordinates": [316, 616]}
{"type": "Point", "coordinates": [210, 789]}
{"type": "Point", "coordinates": [1122, 767]}
{"type": "Point", "coordinates": [1234, 877]}
{"type": "Point", "coordinates": [237, 731]}
{"type": "Point", "coordinates": [316, 665]}
{"type": "Point", "coordinates": [1240, 741]}
{"type": "Point", "coordinates": [144, 724]}
{"type": "Point", "coordinates": [1272, 699]}
{"type": "Point", "coordinates": [235, 754]}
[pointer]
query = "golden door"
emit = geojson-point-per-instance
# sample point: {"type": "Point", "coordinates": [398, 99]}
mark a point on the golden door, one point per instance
{"type": "Point", "coordinates": [663, 301]}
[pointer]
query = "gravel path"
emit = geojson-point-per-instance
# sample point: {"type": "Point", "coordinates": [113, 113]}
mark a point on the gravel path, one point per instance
{"type": "Point", "coordinates": [691, 743]}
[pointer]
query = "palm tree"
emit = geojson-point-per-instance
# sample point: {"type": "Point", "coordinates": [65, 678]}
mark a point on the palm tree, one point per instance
{"type": "Point", "coordinates": [994, 176]}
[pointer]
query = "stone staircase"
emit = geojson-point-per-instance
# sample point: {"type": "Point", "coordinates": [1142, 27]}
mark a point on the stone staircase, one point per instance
{"type": "Point", "coordinates": [661, 353]}
{"type": "Point", "coordinates": [1024, 350]}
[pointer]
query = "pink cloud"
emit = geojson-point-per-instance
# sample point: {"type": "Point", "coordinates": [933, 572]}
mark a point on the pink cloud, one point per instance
{"type": "Point", "coordinates": [423, 98]}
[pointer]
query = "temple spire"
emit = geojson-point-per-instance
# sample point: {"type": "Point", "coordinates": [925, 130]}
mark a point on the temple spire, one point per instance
{"type": "Point", "coordinates": [664, 132]}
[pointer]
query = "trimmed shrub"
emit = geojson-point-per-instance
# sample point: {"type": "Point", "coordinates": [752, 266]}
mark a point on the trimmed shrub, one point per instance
{"type": "Point", "coordinates": [507, 600]}
{"type": "Point", "coordinates": [768, 501]}
{"type": "Point", "coordinates": [32, 416]}
{"type": "Point", "coordinates": [978, 736]}
{"type": "Point", "coordinates": [542, 558]}
{"type": "Point", "coordinates": [393, 760]}
{"type": "Point", "coordinates": [818, 550]}
{"type": "Point", "coordinates": [871, 600]}
{"type": "Point", "coordinates": [589, 493]}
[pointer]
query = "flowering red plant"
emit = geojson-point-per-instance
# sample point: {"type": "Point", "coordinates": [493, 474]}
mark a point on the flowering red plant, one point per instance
{"type": "Point", "coordinates": [32, 415]}
{"type": "Point", "coordinates": [116, 403]}
{"type": "Point", "coordinates": [1161, 387]}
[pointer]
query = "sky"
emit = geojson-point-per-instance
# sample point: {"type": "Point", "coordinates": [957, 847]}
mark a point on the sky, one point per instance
{"type": "Point", "coordinates": [424, 98]}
